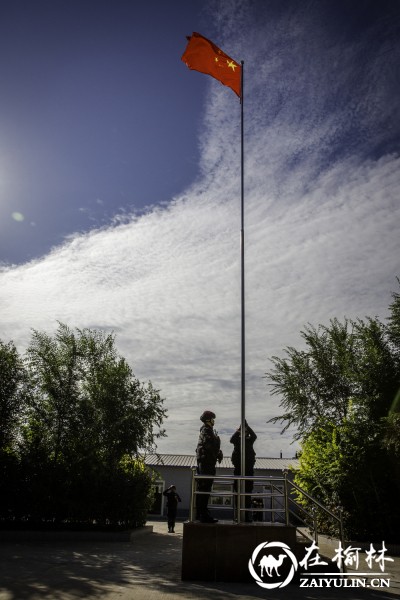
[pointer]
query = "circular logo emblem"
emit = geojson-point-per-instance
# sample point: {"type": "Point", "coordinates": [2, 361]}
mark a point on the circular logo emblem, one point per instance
{"type": "Point", "coordinates": [269, 563]}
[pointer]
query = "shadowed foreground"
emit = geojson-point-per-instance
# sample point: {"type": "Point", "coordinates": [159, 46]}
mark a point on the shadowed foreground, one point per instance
{"type": "Point", "coordinates": [148, 568]}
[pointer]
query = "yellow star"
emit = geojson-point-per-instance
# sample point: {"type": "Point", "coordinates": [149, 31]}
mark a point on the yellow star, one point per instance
{"type": "Point", "coordinates": [231, 65]}
{"type": "Point", "coordinates": [216, 59]}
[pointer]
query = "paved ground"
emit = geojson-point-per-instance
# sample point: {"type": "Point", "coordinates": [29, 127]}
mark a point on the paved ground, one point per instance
{"type": "Point", "coordinates": [148, 568]}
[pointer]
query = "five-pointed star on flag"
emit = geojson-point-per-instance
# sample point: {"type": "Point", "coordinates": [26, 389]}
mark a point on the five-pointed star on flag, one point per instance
{"type": "Point", "coordinates": [203, 55]}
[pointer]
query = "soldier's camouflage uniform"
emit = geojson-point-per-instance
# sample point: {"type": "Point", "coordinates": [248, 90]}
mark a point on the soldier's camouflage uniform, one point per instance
{"type": "Point", "coordinates": [208, 451]}
{"type": "Point", "coordinates": [250, 459]}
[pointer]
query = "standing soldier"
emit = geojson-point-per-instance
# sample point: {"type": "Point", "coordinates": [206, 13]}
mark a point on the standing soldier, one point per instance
{"type": "Point", "coordinates": [250, 459]}
{"type": "Point", "coordinates": [172, 506]}
{"type": "Point", "coordinates": [208, 451]}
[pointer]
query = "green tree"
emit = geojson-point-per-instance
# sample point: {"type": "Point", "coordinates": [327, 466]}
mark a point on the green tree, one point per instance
{"type": "Point", "coordinates": [53, 367]}
{"type": "Point", "coordinates": [394, 324]}
{"type": "Point", "coordinates": [87, 413]}
{"type": "Point", "coordinates": [338, 391]}
{"type": "Point", "coordinates": [342, 365]}
{"type": "Point", "coordinates": [391, 423]}
{"type": "Point", "coordinates": [12, 393]}
{"type": "Point", "coordinates": [12, 406]}
{"type": "Point", "coordinates": [120, 413]}
{"type": "Point", "coordinates": [344, 466]}
{"type": "Point", "coordinates": [86, 397]}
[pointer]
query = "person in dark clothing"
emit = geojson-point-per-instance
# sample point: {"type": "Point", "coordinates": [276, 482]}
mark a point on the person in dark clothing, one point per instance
{"type": "Point", "coordinates": [250, 459]}
{"type": "Point", "coordinates": [208, 452]}
{"type": "Point", "coordinates": [172, 505]}
{"type": "Point", "coordinates": [257, 505]}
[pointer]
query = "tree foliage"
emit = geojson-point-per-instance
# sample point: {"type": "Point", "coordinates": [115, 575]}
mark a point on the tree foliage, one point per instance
{"type": "Point", "coordinates": [83, 423]}
{"type": "Point", "coordinates": [340, 392]}
{"type": "Point", "coordinates": [12, 385]}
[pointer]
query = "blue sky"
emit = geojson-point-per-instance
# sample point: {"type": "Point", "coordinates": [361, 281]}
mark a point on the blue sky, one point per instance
{"type": "Point", "coordinates": [92, 95]}
{"type": "Point", "coordinates": [120, 186]}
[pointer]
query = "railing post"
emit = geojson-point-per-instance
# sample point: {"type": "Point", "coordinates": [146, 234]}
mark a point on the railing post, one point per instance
{"type": "Point", "coordinates": [272, 504]}
{"type": "Point", "coordinates": [192, 494]}
{"type": "Point", "coordinates": [286, 499]}
{"type": "Point", "coordinates": [239, 500]}
{"type": "Point", "coordinates": [314, 513]}
{"type": "Point", "coordinates": [341, 533]}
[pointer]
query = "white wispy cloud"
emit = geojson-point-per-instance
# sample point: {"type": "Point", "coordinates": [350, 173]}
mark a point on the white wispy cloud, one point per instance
{"type": "Point", "coordinates": [321, 239]}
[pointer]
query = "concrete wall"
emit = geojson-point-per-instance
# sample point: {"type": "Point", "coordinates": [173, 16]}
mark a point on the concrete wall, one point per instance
{"type": "Point", "coordinates": [181, 478]}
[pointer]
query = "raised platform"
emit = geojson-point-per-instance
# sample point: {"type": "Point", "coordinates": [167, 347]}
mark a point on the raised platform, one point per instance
{"type": "Point", "coordinates": [221, 551]}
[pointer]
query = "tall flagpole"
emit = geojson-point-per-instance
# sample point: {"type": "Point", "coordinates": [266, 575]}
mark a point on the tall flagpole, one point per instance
{"type": "Point", "coordinates": [204, 56]}
{"type": "Point", "coordinates": [243, 331]}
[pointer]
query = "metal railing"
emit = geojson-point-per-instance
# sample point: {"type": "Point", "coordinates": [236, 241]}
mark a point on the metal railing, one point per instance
{"type": "Point", "coordinates": [280, 493]}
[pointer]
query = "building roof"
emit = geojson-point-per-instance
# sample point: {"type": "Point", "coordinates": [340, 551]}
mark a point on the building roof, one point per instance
{"type": "Point", "coordinates": [189, 460]}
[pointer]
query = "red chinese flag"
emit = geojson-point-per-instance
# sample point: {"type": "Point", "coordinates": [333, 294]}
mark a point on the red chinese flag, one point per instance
{"type": "Point", "coordinates": [204, 56]}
